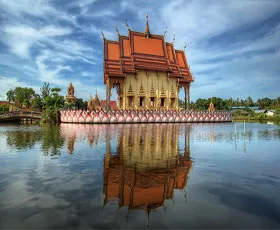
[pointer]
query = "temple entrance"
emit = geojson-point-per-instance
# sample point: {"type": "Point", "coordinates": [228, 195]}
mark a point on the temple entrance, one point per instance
{"type": "Point", "coordinates": [162, 102]}
{"type": "Point", "coordinates": [153, 102]}
{"type": "Point", "coordinates": [172, 102]}
{"type": "Point", "coordinates": [130, 100]}
{"type": "Point", "coordinates": [142, 102]}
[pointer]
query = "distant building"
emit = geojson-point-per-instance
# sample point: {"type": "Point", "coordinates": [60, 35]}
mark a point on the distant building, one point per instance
{"type": "Point", "coordinates": [244, 113]}
{"type": "Point", "coordinates": [4, 102]}
{"type": "Point", "coordinates": [270, 112]}
{"type": "Point", "coordinates": [243, 107]}
{"type": "Point", "coordinates": [112, 105]}
{"type": "Point", "coordinates": [260, 111]}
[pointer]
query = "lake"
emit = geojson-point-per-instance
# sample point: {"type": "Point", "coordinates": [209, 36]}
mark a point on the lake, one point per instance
{"type": "Point", "coordinates": [140, 176]}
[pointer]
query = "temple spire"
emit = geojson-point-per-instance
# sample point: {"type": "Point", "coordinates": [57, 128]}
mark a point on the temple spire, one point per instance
{"type": "Point", "coordinates": [147, 30]}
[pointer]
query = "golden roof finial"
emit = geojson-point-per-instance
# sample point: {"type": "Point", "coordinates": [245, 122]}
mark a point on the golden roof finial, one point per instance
{"type": "Point", "coordinates": [127, 25]}
{"type": "Point", "coordinates": [147, 30]}
{"type": "Point", "coordinates": [165, 31]}
{"type": "Point", "coordinates": [103, 34]}
{"type": "Point", "coordinates": [185, 46]}
{"type": "Point", "coordinates": [117, 30]}
{"type": "Point", "coordinates": [173, 38]}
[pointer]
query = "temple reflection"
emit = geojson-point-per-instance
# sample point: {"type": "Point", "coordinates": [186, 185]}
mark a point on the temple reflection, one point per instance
{"type": "Point", "coordinates": [147, 166]}
{"type": "Point", "coordinates": [143, 164]}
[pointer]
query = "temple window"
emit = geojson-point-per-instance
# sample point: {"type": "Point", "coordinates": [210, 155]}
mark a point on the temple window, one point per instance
{"type": "Point", "coordinates": [130, 100]}
{"type": "Point", "coordinates": [141, 101]}
{"type": "Point", "coordinates": [162, 102]}
{"type": "Point", "coordinates": [172, 102]}
{"type": "Point", "coordinates": [152, 102]}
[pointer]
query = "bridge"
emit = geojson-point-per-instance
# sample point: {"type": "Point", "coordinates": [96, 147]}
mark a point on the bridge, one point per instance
{"type": "Point", "coordinates": [21, 115]}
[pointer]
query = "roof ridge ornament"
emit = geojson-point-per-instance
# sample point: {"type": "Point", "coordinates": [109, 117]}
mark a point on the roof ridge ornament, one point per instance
{"type": "Point", "coordinates": [127, 25]}
{"type": "Point", "coordinates": [117, 30]}
{"type": "Point", "coordinates": [103, 35]}
{"type": "Point", "coordinates": [165, 32]}
{"type": "Point", "coordinates": [147, 30]}
{"type": "Point", "coordinates": [185, 46]}
{"type": "Point", "coordinates": [173, 38]}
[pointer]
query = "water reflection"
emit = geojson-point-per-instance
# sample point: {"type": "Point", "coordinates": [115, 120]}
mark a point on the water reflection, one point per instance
{"type": "Point", "coordinates": [26, 137]}
{"type": "Point", "coordinates": [114, 176]}
{"type": "Point", "coordinates": [146, 167]}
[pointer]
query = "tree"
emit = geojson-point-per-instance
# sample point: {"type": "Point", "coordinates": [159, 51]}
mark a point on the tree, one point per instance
{"type": "Point", "coordinates": [53, 103]}
{"type": "Point", "coordinates": [37, 102]}
{"type": "Point", "coordinates": [80, 104]}
{"type": "Point", "coordinates": [264, 102]}
{"type": "Point", "coordinates": [11, 95]}
{"type": "Point", "coordinates": [23, 95]}
{"type": "Point", "coordinates": [45, 90]}
{"type": "Point", "coordinates": [250, 101]}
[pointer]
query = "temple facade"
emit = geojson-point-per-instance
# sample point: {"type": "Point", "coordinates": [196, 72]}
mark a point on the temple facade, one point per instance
{"type": "Point", "coordinates": [146, 71]}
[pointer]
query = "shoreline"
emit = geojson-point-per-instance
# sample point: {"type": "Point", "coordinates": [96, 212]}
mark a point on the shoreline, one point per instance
{"type": "Point", "coordinates": [256, 119]}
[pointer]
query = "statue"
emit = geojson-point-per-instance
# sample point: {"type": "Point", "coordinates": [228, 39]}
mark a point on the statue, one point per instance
{"type": "Point", "coordinates": [70, 90]}
{"type": "Point", "coordinates": [211, 107]}
{"type": "Point", "coordinates": [70, 98]}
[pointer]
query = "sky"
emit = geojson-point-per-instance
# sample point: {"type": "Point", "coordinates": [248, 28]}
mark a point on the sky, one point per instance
{"type": "Point", "coordinates": [233, 47]}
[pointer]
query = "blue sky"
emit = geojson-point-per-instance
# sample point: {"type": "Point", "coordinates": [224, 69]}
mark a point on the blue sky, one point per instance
{"type": "Point", "coordinates": [233, 47]}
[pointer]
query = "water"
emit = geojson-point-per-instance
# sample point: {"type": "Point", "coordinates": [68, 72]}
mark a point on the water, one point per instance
{"type": "Point", "coordinates": [140, 176]}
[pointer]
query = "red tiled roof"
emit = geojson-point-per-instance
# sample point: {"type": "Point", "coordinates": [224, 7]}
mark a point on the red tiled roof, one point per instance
{"type": "Point", "coordinates": [4, 102]}
{"type": "Point", "coordinates": [113, 104]}
{"type": "Point", "coordinates": [139, 51]}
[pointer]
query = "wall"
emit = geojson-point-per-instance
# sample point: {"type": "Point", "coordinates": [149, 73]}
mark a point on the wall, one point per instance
{"type": "Point", "coordinates": [148, 79]}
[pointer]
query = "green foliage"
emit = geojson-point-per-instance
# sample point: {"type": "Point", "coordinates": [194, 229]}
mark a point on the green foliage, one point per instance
{"type": "Point", "coordinates": [70, 105]}
{"type": "Point", "coordinates": [37, 102]}
{"type": "Point", "coordinates": [23, 95]}
{"type": "Point", "coordinates": [53, 103]}
{"type": "Point", "coordinates": [264, 102]}
{"type": "Point", "coordinates": [80, 104]}
{"type": "Point", "coordinates": [227, 104]}
{"type": "Point", "coordinates": [45, 90]}
{"type": "Point", "coordinates": [4, 108]}
{"type": "Point", "coordinates": [11, 95]}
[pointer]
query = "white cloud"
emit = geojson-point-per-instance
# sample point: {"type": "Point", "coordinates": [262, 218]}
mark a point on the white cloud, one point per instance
{"type": "Point", "coordinates": [198, 20]}
{"type": "Point", "coordinates": [20, 38]}
{"type": "Point", "coordinates": [8, 82]}
{"type": "Point", "coordinates": [194, 21]}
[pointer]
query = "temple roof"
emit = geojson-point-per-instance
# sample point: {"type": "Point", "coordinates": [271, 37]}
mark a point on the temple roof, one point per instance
{"type": "Point", "coordinates": [143, 50]}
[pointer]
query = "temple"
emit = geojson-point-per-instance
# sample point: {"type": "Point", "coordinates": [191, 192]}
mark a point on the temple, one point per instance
{"type": "Point", "coordinates": [70, 98]}
{"type": "Point", "coordinates": [146, 71]}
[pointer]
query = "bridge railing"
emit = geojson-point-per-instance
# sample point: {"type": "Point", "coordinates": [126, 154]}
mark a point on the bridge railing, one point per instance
{"type": "Point", "coordinates": [21, 113]}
